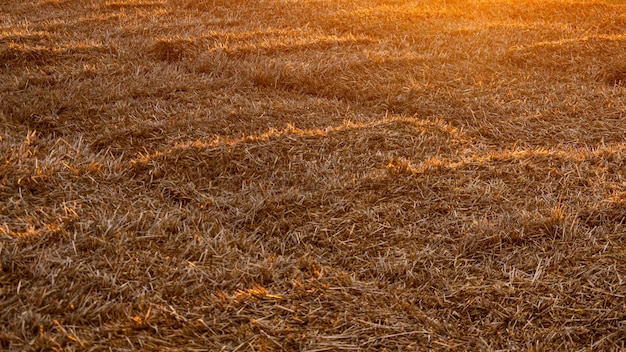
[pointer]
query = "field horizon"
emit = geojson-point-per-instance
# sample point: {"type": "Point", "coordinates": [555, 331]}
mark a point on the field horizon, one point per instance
{"type": "Point", "coordinates": [314, 175]}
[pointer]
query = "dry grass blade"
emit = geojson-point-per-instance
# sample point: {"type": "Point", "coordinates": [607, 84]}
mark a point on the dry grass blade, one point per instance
{"type": "Point", "coordinates": [312, 175]}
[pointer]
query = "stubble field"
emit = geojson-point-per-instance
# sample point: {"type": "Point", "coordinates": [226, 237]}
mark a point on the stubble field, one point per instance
{"type": "Point", "coordinates": [312, 175]}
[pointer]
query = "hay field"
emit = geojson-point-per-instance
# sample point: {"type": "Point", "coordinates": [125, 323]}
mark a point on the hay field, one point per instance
{"type": "Point", "coordinates": [312, 175]}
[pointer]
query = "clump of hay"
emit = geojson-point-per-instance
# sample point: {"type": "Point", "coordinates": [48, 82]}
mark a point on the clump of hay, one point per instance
{"type": "Point", "coordinates": [616, 77]}
{"type": "Point", "coordinates": [171, 50]}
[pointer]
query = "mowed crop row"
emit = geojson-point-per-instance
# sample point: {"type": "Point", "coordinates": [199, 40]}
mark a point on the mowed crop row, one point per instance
{"type": "Point", "coordinates": [312, 175]}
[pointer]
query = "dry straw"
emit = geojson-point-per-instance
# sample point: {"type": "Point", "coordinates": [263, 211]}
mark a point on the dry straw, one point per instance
{"type": "Point", "coordinates": [312, 175]}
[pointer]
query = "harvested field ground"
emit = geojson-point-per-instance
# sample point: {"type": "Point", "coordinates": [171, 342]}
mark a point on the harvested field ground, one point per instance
{"type": "Point", "coordinates": [314, 175]}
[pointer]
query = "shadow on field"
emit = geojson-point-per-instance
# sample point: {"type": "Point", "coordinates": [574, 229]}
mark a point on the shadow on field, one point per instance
{"type": "Point", "coordinates": [22, 56]}
{"type": "Point", "coordinates": [307, 159]}
{"type": "Point", "coordinates": [588, 55]}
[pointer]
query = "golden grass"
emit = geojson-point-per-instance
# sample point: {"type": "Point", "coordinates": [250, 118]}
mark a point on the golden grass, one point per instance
{"type": "Point", "coordinates": [312, 175]}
